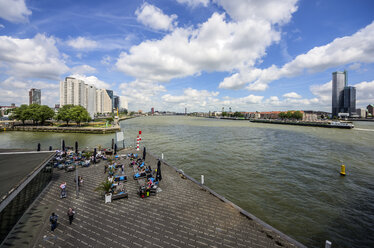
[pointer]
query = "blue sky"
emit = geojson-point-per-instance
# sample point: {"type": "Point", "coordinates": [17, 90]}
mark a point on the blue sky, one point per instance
{"type": "Point", "coordinates": [250, 55]}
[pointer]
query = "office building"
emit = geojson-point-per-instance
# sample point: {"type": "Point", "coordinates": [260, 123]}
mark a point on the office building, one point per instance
{"type": "Point", "coordinates": [115, 102]}
{"type": "Point", "coordinates": [339, 81]}
{"type": "Point", "coordinates": [35, 96]}
{"type": "Point", "coordinates": [350, 100]}
{"type": "Point", "coordinates": [152, 111]}
{"type": "Point", "coordinates": [370, 109]}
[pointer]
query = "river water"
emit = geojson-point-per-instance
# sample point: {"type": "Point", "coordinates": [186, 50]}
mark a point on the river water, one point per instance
{"type": "Point", "coordinates": [288, 176]}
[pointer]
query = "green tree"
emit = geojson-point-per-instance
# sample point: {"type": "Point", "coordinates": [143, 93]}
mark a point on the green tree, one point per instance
{"type": "Point", "coordinates": [45, 113]}
{"type": "Point", "coordinates": [132, 113]}
{"type": "Point", "coordinates": [33, 112]}
{"type": "Point", "coordinates": [282, 115]}
{"type": "Point", "coordinates": [109, 120]}
{"type": "Point", "coordinates": [79, 114]}
{"type": "Point", "coordinates": [21, 113]}
{"type": "Point", "coordinates": [289, 114]}
{"type": "Point", "coordinates": [64, 113]}
{"type": "Point", "coordinates": [297, 115]}
{"type": "Point", "coordinates": [238, 114]}
{"type": "Point", "coordinates": [224, 113]}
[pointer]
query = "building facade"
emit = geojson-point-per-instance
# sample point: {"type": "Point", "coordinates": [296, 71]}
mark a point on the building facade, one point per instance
{"type": "Point", "coordinates": [339, 81]}
{"type": "Point", "coordinates": [72, 91]}
{"type": "Point", "coordinates": [370, 109]}
{"type": "Point", "coordinates": [350, 100]}
{"type": "Point", "coordinates": [115, 102]}
{"type": "Point", "coordinates": [35, 96]}
{"type": "Point", "coordinates": [104, 102]}
{"type": "Point", "coordinates": [91, 100]}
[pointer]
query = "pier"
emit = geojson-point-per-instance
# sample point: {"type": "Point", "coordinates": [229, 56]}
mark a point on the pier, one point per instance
{"type": "Point", "coordinates": [184, 214]}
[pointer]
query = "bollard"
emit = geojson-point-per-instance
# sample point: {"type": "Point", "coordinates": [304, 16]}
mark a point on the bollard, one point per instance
{"type": "Point", "coordinates": [38, 147]}
{"type": "Point", "coordinates": [202, 179]}
{"type": "Point", "coordinates": [50, 148]}
{"type": "Point", "coordinates": [112, 144]}
{"type": "Point", "coordinates": [328, 244]}
{"type": "Point", "coordinates": [342, 170]}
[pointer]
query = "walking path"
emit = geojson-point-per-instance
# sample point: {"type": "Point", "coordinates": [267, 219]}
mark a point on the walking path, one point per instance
{"type": "Point", "coordinates": [183, 214]}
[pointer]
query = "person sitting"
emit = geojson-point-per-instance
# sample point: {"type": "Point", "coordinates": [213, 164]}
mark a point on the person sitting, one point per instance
{"type": "Point", "coordinates": [111, 178]}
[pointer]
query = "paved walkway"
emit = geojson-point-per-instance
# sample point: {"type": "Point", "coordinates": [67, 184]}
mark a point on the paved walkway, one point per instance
{"type": "Point", "coordinates": [182, 215]}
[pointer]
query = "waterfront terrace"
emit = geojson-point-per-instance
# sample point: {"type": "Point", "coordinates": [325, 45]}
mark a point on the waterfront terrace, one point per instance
{"type": "Point", "coordinates": [183, 214]}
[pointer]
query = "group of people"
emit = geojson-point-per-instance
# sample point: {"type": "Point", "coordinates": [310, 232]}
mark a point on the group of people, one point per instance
{"type": "Point", "coordinates": [54, 217]}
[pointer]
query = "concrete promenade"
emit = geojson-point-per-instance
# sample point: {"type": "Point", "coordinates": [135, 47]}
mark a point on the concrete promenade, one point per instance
{"type": "Point", "coordinates": [183, 214]}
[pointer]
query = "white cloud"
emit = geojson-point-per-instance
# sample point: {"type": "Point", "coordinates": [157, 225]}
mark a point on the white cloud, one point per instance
{"type": "Point", "coordinates": [364, 93]}
{"type": "Point", "coordinates": [191, 97]}
{"type": "Point", "coordinates": [35, 58]}
{"type": "Point", "coordinates": [14, 11]}
{"type": "Point", "coordinates": [217, 45]}
{"type": "Point", "coordinates": [141, 95]}
{"type": "Point", "coordinates": [14, 90]}
{"type": "Point", "coordinates": [2, 26]}
{"type": "Point", "coordinates": [292, 95]}
{"type": "Point", "coordinates": [82, 43]}
{"type": "Point", "coordinates": [83, 69]}
{"type": "Point", "coordinates": [358, 48]}
{"type": "Point", "coordinates": [92, 80]}
{"type": "Point", "coordinates": [273, 11]}
{"type": "Point", "coordinates": [153, 17]}
{"type": "Point", "coordinates": [323, 93]}
{"type": "Point", "coordinates": [194, 3]}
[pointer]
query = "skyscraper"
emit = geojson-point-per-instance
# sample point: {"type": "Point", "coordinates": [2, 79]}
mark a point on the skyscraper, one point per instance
{"type": "Point", "coordinates": [72, 91]}
{"type": "Point", "coordinates": [35, 96]}
{"type": "Point", "coordinates": [350, 100]}
{"type": "Point", "coordinates": [339, 81]}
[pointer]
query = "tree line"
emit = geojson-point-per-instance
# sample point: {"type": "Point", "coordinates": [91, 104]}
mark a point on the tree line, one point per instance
{"type": "Point", "coordinates": [38, 114]}
{"type": "Point", "coordinates": [291, 115]}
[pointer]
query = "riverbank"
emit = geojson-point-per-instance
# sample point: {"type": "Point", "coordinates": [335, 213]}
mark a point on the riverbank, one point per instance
{"type": "Point", "coordinates": [92, 130]}
{"type": "Point", "coordinates": [342, 125]}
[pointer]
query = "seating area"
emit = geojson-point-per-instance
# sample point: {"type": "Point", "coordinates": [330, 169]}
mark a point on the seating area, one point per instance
{"type": "Point", "coordinates": [144, 175]}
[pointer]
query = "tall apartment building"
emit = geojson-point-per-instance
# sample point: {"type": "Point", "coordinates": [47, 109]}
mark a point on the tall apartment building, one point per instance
{"type": "Point", "coordinates": [339, 81]}
{"type": "Point", "coordinates": [115, 102]}
{"type": "Point", "coordinates": [75, 91]}
{"type": "Point", "coordinates": [72, 91]}
{"type": "Point", "coordinates": [104, 102]}
{"type": "Point", "coordinates": [35, 96]}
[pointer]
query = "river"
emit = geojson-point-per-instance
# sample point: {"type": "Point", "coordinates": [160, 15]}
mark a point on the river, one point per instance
{"type": "Point", "coordinates": [288, 176]}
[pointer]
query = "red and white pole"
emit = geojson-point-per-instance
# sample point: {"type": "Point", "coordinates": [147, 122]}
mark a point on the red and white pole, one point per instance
{"type": "Point", "coordinates": [137, 143]}
{"type": "Point", "coordinates": [140, 135]}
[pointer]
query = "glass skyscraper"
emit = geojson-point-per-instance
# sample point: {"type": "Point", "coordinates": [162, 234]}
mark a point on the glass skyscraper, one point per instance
{"type": "Point", "coordinates": [339, 81]}
{"type": "Point", "coordinates": [350, 100]}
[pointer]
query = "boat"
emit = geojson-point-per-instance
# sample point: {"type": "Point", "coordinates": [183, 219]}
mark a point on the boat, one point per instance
{"type": "Point", "coordinates": [341, 124]}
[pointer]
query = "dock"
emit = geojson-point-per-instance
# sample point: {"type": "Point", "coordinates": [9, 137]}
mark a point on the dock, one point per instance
{"type": "Point", "coordinates": [184, 214]}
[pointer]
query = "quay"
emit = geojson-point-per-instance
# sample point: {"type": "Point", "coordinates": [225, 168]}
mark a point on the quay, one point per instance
{"type": "Point", "coordinates": [184, 214]}
{"type": "Point", "coordinates": [304, 123]}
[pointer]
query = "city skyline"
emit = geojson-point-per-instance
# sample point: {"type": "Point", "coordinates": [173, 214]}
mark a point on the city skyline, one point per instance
{"type": "Point", "coordinates": [201, 55]}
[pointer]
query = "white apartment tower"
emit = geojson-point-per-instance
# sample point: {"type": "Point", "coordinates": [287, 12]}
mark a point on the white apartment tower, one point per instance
{"type": "Point", "coordinates": [104, 102]}
{"type": "Point", "coordinates": [72, 91]}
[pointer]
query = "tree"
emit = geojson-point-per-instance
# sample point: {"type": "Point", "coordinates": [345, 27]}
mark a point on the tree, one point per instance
{"type": "Point", "coordinates": [297, 115]}
{"type": "Point", "coordinates": [79, 114]}
{"type": "Point", "coordinates": [21, 113]}
{"type": "Point", "coordinates": [45, 113]}
{"type": "Point", "coordinates": [64, 114]}
{"type": "Point", "coordinates": [282, 115]}
{"type": "Point", "coordinates": [224, 113]}
{"type": "Point", "coordinates": [109, 120]}
{"type": "Point", "coordinates": [33, 112]}
{"type": "Point", "coordinates": [238, 114]}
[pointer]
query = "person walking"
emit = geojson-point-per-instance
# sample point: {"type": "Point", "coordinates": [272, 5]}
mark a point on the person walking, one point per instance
{"type": "Point", "coordinates": [53, 221]}
{"type": "Point", "coordinates": [71, 213]}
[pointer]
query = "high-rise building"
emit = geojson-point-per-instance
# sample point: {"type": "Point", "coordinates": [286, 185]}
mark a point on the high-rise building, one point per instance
{"type": "Point", "coordinates": [339, 81]}
{"type": "Point", "coordinates": [72, 91]}
{"type": "Point", "coordinates": [152, 111]}
{"type": "Point", "coordinates": [35, 96]}
{"type": "Point", "coordinates": [123, 104]}
{"type": "Point", "coordinates": [115, 102]}
{"type": "Point", "coordinates": [104, 103]}
{"type": "Point", "coordinates": [350, 100]}
{"type": "Point", "coordinates": [91, 100]}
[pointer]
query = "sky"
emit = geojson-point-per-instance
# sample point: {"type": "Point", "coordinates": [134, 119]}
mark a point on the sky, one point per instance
{"type": "Point", "coordinates": [203, 55]}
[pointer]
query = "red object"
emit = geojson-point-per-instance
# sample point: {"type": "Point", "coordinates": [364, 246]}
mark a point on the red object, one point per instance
{"type": "Point", "coordinates": [140, 132]}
